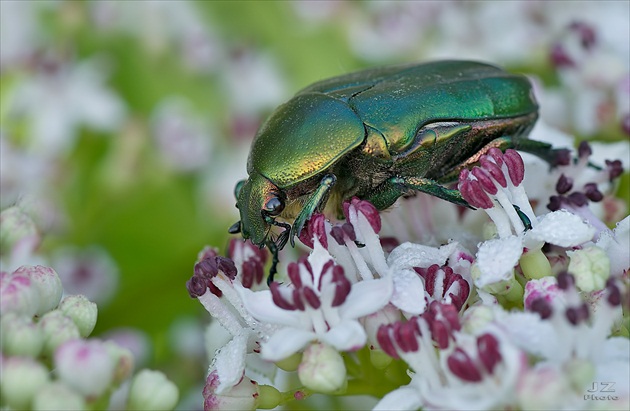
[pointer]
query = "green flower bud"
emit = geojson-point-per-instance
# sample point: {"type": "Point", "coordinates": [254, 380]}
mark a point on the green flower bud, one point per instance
{"type": "Point", "coordinates": [535, 265]}
{"type": "Point", "coordinates": [151, 390]}
{"type": "Point", "coordinates": [269, 397]}
{"type": "Point", "coordinates": [322, 369]}
{"type": "Point", "coordinates": [591, 268]}
{"type": "Point", "coordinates": [82, 311]}
{"type": "Point", "coordinates": [56, 396]}
{"type": "Point", "coordinates": [22, 377]}
{"type": "Point", "coordinates": [291, 363]}
{"type": "Point", "coordinates": [20, 336]}
{"type": "Point", "coordinates": [57, 329]}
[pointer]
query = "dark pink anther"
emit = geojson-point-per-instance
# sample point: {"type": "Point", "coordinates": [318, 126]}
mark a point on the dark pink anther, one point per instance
{"type": "Point", "coordinates": [462, 366]}
{"type": "Point", "coordinates": [367, 209]}
{"type": "Point", "coordinates": [248, 273]}
{"type": "Point", "coordinates": [343, 286]}
{"type": "Point", "coordinates": [615, 169]}
{"type": "Point", "coordinates": [515, 166]}
{"type": "Point", "coordinates": [565, 280]}
{"type": "Point", "coordinates": [584, 149]}
{"type": "Point", "coordinates": [278, 298]}
{"type": "Point", "coordinates": [493, 169]}
{"type": "Point", "coordinates": [406, 337]}
{"type": "Point", "coordinates": [210, 252]}
{"type": "Point", "coordinates": [542, 307]}
{"type": "Point", "coordinates": [389, 243]}
{"type": "Point", "coordinates": [559, 57]}
{"type": "Point", "coordinates": [578, 199]}
{"type": "Point", "coordinates": [315, 227]}
{"type": "Point", "coordinates": [348, 231]}
{"type": "Point", "coordinates": [489, 353]}
{"type": "Point", "coordinates": [311, 297]}
{"type": "Point", "coordinates": [613, 293]}
{"type": "Point", "coordinates": [474, 194]}
{"type": "Point", "coordinates": [293, 272]}
{"type": "Point", "coordinates": [564, 184]}
{"type": "Point", "coordinates": [497, 155]}
{"type": "Point", "coordinates": [586, 33]}
{"type": "Point", "coordinates": [227, 266]}
{"type": "Point", "coordinates": [591, 191]}
{"type": "Point", "coordinates": [485, 180]}
{"type": "Point", "coordinates": [206, 268]}
{"type": "Point", "coordinates": [337, 233]}
{"type": "Point", "coordinates": [196, 286]}
{"type": "Point", "coordinates": [298, 302]}
{"type": "Point", "coordinates": [383, 336]}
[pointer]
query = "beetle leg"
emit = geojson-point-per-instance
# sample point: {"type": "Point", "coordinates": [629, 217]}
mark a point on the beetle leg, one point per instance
{"type": "Point", "coordinates": [312, 204]}
{"type": "Point", "coordinates": [393, 188]}
{"type": "Point", "coordinates": [541, 150]}
{"type": "Point", "coordinates": [274, 261]}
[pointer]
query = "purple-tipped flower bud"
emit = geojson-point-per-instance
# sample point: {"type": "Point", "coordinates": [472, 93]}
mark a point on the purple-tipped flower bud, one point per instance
{"type": "Point", "coordinates": [18, 295]}
{"type": "Point", "coordinates": [85, 366]}
{"type": "Point", "coordinates": [243, 396]}
{"type": "Point", "coordinates": [47, 283]}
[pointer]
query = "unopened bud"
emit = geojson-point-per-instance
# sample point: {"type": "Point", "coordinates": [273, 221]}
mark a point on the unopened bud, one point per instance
{"type": "Point", "coordinates": [20, 336]}
{"type": "Point", "coordinates": [22, 377]}
{"type": "Point", "coordinates": [17, 295]}
{"type": "Point", "coordinates": [243, 396]}
{"type": "Point", "coordinates": [17, 230]}
{"type": "Point", "coordinates": [322, 369]}
{"type": "Point", "coordinates": [123, 360]}
{"type": "Point", "coordinates": [82, 311]}
{"type": "Point", "coordinates": [591, 268]}
{"type": "Point", "coordinates": [85, 366]}
{"type": "Point", "coordinates": [57, 329]}
{"type": "Point", "coordinates": [151, 390]}
{"type": "Point", "coordinates": [57, 396]}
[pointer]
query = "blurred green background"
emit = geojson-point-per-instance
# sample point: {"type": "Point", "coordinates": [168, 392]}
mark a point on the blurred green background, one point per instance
{"type": "Point", "coordinates": [126, 124]}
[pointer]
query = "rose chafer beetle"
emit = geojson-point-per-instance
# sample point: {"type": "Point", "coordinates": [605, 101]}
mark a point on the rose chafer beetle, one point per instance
{"type": "Point", "coordinates": [379, 134]}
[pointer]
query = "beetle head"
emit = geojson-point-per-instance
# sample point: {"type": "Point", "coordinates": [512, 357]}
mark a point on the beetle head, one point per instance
{"type": "Point", "coordinates": [259, 202]}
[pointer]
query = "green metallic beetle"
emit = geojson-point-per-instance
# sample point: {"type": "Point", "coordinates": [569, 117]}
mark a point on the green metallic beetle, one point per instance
{"type": "Point", "coordinates": [379, 134]}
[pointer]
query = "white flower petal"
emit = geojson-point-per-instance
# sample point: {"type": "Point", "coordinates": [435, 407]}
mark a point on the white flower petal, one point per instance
{"type": "Point", "coordinates": [616, 244]}
{"type": "Point", "coordinates": [529, 332]}
{"type": "Point", "coordinates": [261, 306]}
{"type": "Point", "coordinates": [285, 342]}
{"type": "Point", "coordinates": [496, 259]}
{"type": "Point", "coordinates": [366, 297]}
{"type": "Point", "coordinates": [409, 255]}
{"type": "Point", "coordinates": [613, 364]}
{"type": "Point", "coordinates": [408, 292]}
{"type": "Point", "coordinates": [403, 398]}
{"type": "Point", "coordinates": [561, 228]}
{"type": "Point", "coordinates": [229, 362]}
{"type": "Point", "coordinates": [348, 335]}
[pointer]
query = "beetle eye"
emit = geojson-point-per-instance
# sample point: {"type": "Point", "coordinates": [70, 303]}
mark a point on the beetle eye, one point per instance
{"type": "Point", "coordinates": [273, 206]}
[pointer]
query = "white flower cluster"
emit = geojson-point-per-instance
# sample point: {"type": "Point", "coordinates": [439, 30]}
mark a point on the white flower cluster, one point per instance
{"type": "Point", "coordinates": [527, 317]}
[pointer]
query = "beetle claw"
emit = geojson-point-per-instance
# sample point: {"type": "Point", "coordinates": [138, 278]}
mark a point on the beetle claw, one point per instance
{"type": "Point", "coordinates": [235, 228]}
